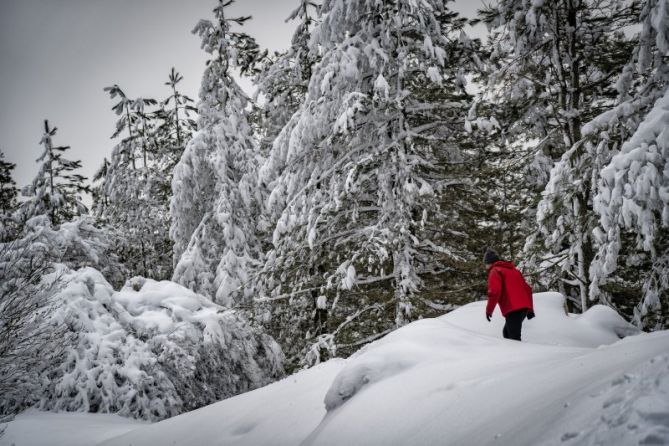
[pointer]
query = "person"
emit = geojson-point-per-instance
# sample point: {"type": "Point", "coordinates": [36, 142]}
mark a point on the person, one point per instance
{"type": "Point", "coordinates": [508, 289]}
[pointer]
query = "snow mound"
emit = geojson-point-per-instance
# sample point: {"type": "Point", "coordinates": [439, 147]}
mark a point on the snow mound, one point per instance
{"type": "Point", "coordinates": [607, 320]}
{"type": "Point", "coordinates": [599, 325]}
{"type": "Point", "coordinates": [152, 350]}
{"type": "Point", "coordinates": [399, 351]}
{"type": "Point", "coordinates": [415, 343]}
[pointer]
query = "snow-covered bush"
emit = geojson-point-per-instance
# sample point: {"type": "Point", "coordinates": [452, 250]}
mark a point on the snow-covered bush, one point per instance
{"type": "Point", "coordinates": [28, 344]}
{"type": "Point", "coordinates": [75, 244]}
{"type": "Point", "coordinates": [152, 350]}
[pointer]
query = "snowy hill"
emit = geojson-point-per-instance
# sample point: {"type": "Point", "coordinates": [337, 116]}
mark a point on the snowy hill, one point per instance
{"type": "Point", "coordinates": [451, 380]}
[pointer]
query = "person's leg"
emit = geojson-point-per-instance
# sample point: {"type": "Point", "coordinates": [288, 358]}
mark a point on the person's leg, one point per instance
{"type": "Point", "coordinates": [505, 331]}
{"type": "Point", "coordinates": [514, 324]}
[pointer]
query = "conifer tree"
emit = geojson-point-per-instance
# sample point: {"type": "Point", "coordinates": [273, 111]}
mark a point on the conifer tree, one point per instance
{"type": "Point", "coordinates": [134, 210]}
{"type": "Point", "coordinates": [553, 67]}
{"type": "Point", "coordinates": [8, 195]}
{"type": "Point", "coordinates": [215, 201]}
{"type": "Point", "coordinates": [282, 81]}
{"type": "Point", "coordinates": [360, 175]}
{"type": "Point", "coordinates": [631, 200]}
{"type": "Point", "coordinates": [177, 125]}
{"type": "Point", "coordinates": [171, 136]}
{"type": "Point", "coordinates": [56, 190]}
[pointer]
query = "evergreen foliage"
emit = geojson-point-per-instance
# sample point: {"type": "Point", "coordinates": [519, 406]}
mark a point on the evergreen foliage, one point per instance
{"type": "Point", "coordinates": [215, 201]}
{"type": "Point", "coordinates": [552, 67]}
{"type": "Point", "coordinates": [8, 196]}
{"type": "Point", "coordinates": [630, 195]}
{"type": "Point", "coordinates": [357, 173]}
{"type": "Point", "coordinates": [132, 197]}
{"type": "Point", "coordinates": [56, 190]}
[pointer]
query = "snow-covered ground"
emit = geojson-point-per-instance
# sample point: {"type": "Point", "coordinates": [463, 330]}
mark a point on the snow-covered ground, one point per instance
{"type": "Point", "coordinates": [450, 380]}
{"type": "Point", "coordinates": [35, 428]}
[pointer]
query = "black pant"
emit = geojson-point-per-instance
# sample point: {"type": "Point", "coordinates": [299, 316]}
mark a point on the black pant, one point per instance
{"type": "Point", "coordinates": [514, 323]}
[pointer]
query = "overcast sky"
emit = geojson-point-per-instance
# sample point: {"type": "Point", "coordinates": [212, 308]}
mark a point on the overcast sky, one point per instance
{"type": "Point", "coordinates": [56, 56]}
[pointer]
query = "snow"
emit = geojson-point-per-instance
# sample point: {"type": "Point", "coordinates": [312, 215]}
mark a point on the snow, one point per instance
{"type": "Point", "coordinates": [454, 380]}
{"type": "Point", "coordinates": [599, 325]}
{"type": "Point", "coordinates": [632, 409]}
{"type": "Point", "coordinates": [282, 413]}
{"type": "Point", "coordinates": [151, 350]}
{"type": "Point", "coordinates": [65, 428]}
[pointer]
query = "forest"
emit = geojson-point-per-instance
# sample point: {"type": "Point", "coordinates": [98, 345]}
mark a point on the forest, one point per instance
{"type": "Point", "coordinates": [351, 193]}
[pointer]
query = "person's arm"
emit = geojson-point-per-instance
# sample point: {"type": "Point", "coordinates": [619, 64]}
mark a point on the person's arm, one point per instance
{"type": "Point", "coordinates": [530, 311]}
{"type": "Point", "coordinates": [529, 293]}
{"type": "Point", "coordinates": [494, 290]}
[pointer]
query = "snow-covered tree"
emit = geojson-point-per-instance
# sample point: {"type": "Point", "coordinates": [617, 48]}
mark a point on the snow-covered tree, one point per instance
{"type": "Point", "coordinates": [177, 125]}
{"type": "Point", "coordinates": [8, 195]}
{"type": "Point", "coordinates": [56, 190]}
{"type": "Point", "coordinates": [552, 68]}
{"type": "Point", "coordinates": [215, 203]}
{"type": "Point", "coordinates": [132, 199]}
{"type": "Point", "coordinates": [632, 200]}
{"type": "Point", "coordinates": [359, 171]}
{"type": "Point", "coordinates": [281, 82]}
{"type": "Point", "coordinates": [281, 85]}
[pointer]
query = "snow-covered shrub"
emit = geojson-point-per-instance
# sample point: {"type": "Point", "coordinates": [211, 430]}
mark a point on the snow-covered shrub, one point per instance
{"type": "Point", "coordinates": [75, 244]}
{"type": "Point", "coordinates": [152, 350]}
{"type": "Point", "coordinates": [28, 345]}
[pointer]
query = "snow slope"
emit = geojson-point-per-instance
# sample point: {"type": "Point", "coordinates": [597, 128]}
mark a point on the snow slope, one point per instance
{"type": "Point", "coordinates": [35, 428]}
{"type": "Point", "coordinates": [453, 380]}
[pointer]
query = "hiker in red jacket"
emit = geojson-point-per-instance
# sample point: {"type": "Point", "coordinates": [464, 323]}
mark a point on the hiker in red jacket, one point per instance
{"type": "Point", "coordinates": [507, 287]}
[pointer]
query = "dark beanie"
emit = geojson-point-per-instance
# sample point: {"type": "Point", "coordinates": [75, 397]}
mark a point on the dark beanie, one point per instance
{"type": "Point", "coordinates": [490, 256]}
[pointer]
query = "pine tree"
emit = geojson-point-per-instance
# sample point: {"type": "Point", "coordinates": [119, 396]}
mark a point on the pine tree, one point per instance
{"type": "Point", "coordinates": [282, 79]}
{"type": "Point", "coordinates": [553, 68]}
{"type": "Point", "coordinates": [56, 190]}
{"type": "Point", "coordinates": [631, 200]}
{"type": "Point", "coordinates": [176, 127]}
{"type": "Point", "coordinates": [171, 136]}
{"type": "Point", "coordinates": [358, 191]}
{"type": "Point", "coordinates": [281, 85]}
{"type": "Point", "coordinates": [100, 196]}
{"type": "Point", "coordinates": [8, 195]}
{"type": "Point", "coordinates": [215, 201]}
{"type": "Point", "coordinates": [136, 209]}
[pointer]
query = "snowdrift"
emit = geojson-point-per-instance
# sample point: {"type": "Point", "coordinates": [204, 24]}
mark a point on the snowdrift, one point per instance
{"type": "Point", "coordinates": [454, 380]}
{"type": "Point", "coordinates": [152, 350]}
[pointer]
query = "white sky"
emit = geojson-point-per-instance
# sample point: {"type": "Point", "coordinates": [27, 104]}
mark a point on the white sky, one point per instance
{"type": "Point", "coordinates": [56, 56]}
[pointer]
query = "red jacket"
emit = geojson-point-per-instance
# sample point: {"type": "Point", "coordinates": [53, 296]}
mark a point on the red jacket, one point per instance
{"type": "Point", "coordinates": [507, 287]}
